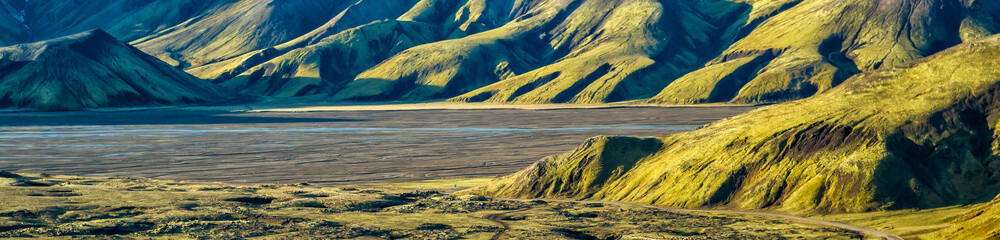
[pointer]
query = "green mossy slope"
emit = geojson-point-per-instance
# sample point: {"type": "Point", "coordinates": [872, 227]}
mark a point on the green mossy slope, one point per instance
{"type": "Point", "coordinates": [921, 134]}
{"type": "Point", "coordinates": [981, 223]}
{"type": "Point", "coordinates": [806, 47]}
{"type": "Point", "coordinates": [125, 19]}
{"type": "Point", "coordinates": [10, 24]}
{"type": "Point", "coordinates": [453, 66]}
{"type": "Point", "coordinates": [327, 66]}
{"type": "Point", "coordinates": [528, 51]}
{"type": "Point", "coordinates": [236, 28]}
{"type": "Point", "coordinates": [92, 70]}
{"type": "Point", "coordinates": [607, 51]}
{"type": "Point", "coordinates": [581, 51]}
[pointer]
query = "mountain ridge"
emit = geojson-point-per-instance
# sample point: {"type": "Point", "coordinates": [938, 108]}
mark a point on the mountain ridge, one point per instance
{"type": "Point", "coordinates": [919, 135]}
{"type": "Point", "coordinates": [541, 51]}
{"type": "Point", "coordinates": [93, 70]}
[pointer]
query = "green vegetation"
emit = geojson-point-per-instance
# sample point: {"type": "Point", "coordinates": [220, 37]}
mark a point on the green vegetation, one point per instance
{"type": "Point", "coordinates": [512, 51]}
{"type": "Point", "coordinates": [792, 49]}
{"type": "Point", "coordinates": [92, 70]}
{"type": "Point", "coordinates": [66, 207]}
{"type": "Point", "coordinates": [919, 135]}
{"type": "Point", "coordinates": [980, 223]}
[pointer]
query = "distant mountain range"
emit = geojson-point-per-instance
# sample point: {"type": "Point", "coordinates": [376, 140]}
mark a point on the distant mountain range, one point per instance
{"type": "Point", "coordinates": [520, 51]}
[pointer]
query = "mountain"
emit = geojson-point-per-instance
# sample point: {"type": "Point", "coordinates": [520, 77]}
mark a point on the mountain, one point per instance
{"type": "Point", "coordinates": [12, 23]}
{"type": "Point", "coordinates": [126, 19]}
{"type": "Point", "coordinates": [327, 66]}
{"type": "Point", "coordinates": [521, 51]}
{"type": "Point", "coordinates": [920, 134]}
{"type": "Point", "coordinates": [554, 51]}
{"type": "Point", "coordinates": [92, 70]}
{"type": "Point", "coordinates": [805, 47]}
{"type": "Point", "coordinates": [671, 51]}
{"type": "Point", "coordinates": [236, 28]}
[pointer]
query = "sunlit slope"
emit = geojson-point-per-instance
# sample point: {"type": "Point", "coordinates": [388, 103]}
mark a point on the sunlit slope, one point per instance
{"type": "Point", "coordinates": [436, 20]}
{"type": "Point", "coordinates": [921, 134]}
{"type": "Point", "coordinates": [606, 51]}
{"type": "Point", "coordinates": [981, 223]}
{"type": "Point", "coordinates": [299, 71]}
{"type": "Point", "coordinates": [327, 66]}
{"type": "Point", "coordinates": [810, 46]}
{"type": "Point", "coordinates": [92, 70]}
{"type": "Point", "coordinates": [580, 51]}
{"type": "Point", "coordinates": [237, 28]}
{"type": "Point", "coordinates": [124, 19]}
{"type": "Point", "coordinates": [525, 51]}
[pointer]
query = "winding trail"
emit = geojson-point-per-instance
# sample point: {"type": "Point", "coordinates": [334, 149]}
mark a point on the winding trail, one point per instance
{"type": "Point", "coordinates": [497, 218]}
{"type": "Point", "coordinates": [867, 231]}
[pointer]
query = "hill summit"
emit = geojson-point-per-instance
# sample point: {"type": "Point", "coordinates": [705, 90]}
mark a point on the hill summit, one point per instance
{"type": "Point", "coordinates": [92, 70]}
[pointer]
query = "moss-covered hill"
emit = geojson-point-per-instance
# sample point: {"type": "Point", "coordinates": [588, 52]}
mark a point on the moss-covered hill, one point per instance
{"type": "Point", "coordinates": [980, 223]}
{"type": "Point", "coordinates": [92, 70]}
{"type": "Point", "coordinates": [238, 27]}
{"type": "Point", "coordinates": [808, 46]}
{"type": "Point", "coordinates": [917, 135]}
{"type": "Point", "coordinates": [522, 51]}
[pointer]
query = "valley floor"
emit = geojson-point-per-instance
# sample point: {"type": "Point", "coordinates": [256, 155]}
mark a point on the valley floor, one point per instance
{"type": "Point", "coordinates": [324, 147]}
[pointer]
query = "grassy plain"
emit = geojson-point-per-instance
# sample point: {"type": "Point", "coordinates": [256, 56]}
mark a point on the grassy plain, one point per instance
{"type": "Point", "coordinates": [65, 207]}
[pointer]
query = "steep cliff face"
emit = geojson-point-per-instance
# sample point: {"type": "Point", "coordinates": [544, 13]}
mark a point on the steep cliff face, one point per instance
{"type": "Point", "coordinates": [920, 134]}
{"type": "Point", "coordinates": [810, 46]}
{"type": "Point", "coordinates": [92, 70]}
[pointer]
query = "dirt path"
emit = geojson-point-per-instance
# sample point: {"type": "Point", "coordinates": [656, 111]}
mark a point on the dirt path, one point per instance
{"type": "Point", "coordinates": [868, 231]}
{"type": "Point", "coordinates": [498, 218]}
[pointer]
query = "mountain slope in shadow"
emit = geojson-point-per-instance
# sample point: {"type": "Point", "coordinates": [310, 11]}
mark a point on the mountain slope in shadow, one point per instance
{"type": "Point", "coordinates": [93, 70]}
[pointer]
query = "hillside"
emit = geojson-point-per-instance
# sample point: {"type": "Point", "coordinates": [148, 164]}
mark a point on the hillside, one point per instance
{"type": "Point", "coordinates": [236, 28]}
{"type": "Point", "coordinates": [125, 19]}
{"type": "Point", "coordinates": [918, 135]}
{"type": "Point", "coordinates": [328, 66]}
{"type": "Point", "coordinates": [807, 47]}
{"type": "Point", "coordinates": [521, 51]}
{"type": "Point", "coordinates": [981, 223]}
{"type": "Point", "coordinates": [588, 51]}
{"type": "Point", "coordinates": [92, 70]}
